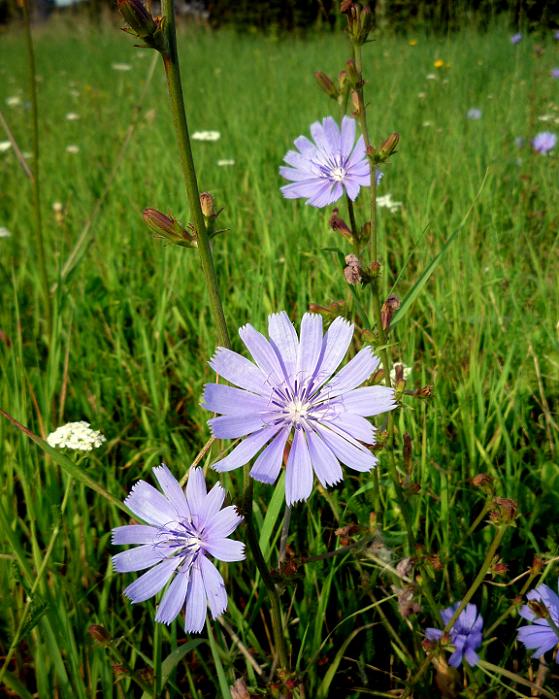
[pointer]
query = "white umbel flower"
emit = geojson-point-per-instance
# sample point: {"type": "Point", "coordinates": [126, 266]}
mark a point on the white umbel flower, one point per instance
{"type": "Point", "coordinates": [206, 136]}
{"type": "Point", "coordinates": [386, 202]}
{"type": "Point", "coordinates": [76, 435]}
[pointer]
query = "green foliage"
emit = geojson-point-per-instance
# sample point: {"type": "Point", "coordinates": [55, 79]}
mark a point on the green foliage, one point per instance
{"type": "Point", "coordinates": [133, 336]}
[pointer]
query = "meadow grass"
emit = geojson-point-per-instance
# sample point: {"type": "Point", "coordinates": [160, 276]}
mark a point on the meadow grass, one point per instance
{"type": "Point", "coordinates": [132, 337]}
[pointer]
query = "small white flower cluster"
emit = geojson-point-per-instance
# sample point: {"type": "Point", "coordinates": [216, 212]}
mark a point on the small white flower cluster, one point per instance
{"type": "Point", "coordinates": [386, 202]}
{"type": "Point", "coordinates": [206, 136]}
{"type": "Point", "coordinates": [76, 435]}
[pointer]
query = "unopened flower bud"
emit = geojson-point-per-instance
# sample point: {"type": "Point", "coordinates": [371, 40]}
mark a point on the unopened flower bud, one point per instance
{"type": "Point", "coordinates": [100, 634]}
{"type": "Point", "coordinates": [327, 84]}
{"type": "Point", "coordinates": [424, 392]}
{"type": "Point", "coordinates": [389, 146]}
{"type": "Point", "coordinates": [342, 80]}
{"type": "Point", "coordinates": [353, 75]}
{"type": "Point", "coordinates": [537, 565]}
{"type": "Point", "coordinates": [355, 103]}
{"type": "Point", "coordinates": [137, 17]}
{"type": "Point", "coordinates": [168, 228]}
{"type": "Point", "coordinates": [498, 567]}
{"type": "Point", "coordinates": [389, 307]}
{"type": "Point", "coordinates": [207, 205]}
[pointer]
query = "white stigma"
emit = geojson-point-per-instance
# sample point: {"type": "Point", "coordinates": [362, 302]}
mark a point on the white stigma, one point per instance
{"type": "Point", "coordinates": [297, 410]}
{"type": "Point", "coordinates": [193, 542]}
{"type": "Point", "coordinates": [337, 174]}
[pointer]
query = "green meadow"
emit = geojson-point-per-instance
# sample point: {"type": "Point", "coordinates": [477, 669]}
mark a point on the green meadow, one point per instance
{"type": "Point", "coordinates": [132, 334]}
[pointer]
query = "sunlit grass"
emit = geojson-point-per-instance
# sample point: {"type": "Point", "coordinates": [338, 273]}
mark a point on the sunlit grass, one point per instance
{"type": "Point", "coordinates": [133, 335]}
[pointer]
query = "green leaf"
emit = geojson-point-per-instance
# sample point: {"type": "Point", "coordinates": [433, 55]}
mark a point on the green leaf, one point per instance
{"type": "Point", "coordinates": [65, 463]}
{"type": "Point", "coordinates": [173, 659]}
{"type": "Point", "coordinates": [323, 691]}
{"type": "Point", "coordinates": [272, 515]}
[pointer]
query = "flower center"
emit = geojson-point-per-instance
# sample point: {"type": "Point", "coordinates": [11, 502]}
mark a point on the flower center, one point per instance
{"type": "Point", "coordinates": [337, 174]}
{"type": "Point", "coordinates": [297, 410]}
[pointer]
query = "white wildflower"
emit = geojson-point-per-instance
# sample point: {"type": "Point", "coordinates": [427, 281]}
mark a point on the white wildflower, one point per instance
{"type": "Point", "coordinates": [431, 76]}
{"type": "Point", "coordinates": [206, 136]}
{"type": "Point", "coordinates": [72, 116]}
{"type": "Point", "coordinates": [225, 162]}
{"type": "Point", "coordinates": [386, 202]}
{"type": "Point", "coordinates": [4, 232]}
{"type": "Point", "coordinates": [4, 146]}
{"type": "Point", "coordinates": [72, 148]}
{"type": "Point", "coordinates": [13, 101]}
{"type": "Point", "coordinates": [76, 435]}
{"type": "Point", "coordinates": [121, 66]}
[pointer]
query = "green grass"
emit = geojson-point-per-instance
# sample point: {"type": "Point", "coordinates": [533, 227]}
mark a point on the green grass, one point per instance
{"type": "Point", "coordinates": [133, 335]}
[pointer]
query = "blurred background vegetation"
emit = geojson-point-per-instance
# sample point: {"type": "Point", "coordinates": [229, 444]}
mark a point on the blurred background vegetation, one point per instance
{"type": "Point", "coordinates": [397, 16]}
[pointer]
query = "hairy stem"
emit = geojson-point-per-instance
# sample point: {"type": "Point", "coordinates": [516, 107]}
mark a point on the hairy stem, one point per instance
{"type": "Point", "coordinates": [172, 71]}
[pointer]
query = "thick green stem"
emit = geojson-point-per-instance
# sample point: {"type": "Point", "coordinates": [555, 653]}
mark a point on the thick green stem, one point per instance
{"type": "Point", "coordinates": [172, 71]}
{"type": "Point", "coordinates": [35, 185]}
{"type": "Point", "coordinates": [467, 597]}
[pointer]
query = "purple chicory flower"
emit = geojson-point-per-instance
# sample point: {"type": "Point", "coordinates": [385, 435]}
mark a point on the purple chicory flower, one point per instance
{"type": "Point", "coordinates": [288, 391]}
{"type": "Point", "coordinates": [556, 35]}
{"type": "Point", "coordinates": [465, 635]}
{"type": "Point", "coordinates": [555, 72]}
{"type": "Point", "coordinates": [544, 142]}
{"type": "Point", "coordinates": [516, 38]}
{"type": "Point", "coordinates": [474, 113]}
{"type": "Point", "coordinates": [181, 528]}
{"type": "Point", "coordinates": [540, 636]}
{"type": "Point", "coordinates": [321, 171]}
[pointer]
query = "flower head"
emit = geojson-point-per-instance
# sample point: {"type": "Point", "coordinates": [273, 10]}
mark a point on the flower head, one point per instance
{"type": "Point", "coordinates": [121, 67]}
{"type": "Point", "coordinates": [5, 232]}
{"type": "Point", "coordinates": [543, 633]}
{"type": "Point", "coordinates": [544, 142]}
{"type": "Point", "coordinates": [288, 392]}
{"type": "Point", "coordinates": [73, 149]}
{"type": "Point", "coordinates": [465, 634]}
{"type": "Point", "coordinates": [386, 202]}
{"type": "Point", "coordinates": [516, 38]}
{"type": "Point", "coordinates": [181, 528]}
{"type": "Point", "coordinates": [76, 435]}
{"type": "Point", "coordinates": [323, 170]}
{"type": "Point", "coordinates": [474, 114]}
{"type": "Point", "coordinates": [555, 72]}
{"type": "Point", "coordinates": [5, 145]}
{"type": "Point", "coordinates": [206, 136]}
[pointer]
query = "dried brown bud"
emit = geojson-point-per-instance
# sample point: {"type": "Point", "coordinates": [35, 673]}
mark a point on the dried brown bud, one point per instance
{"type": "Point", "coordinates": [239, 690]}
{"type": "Point", "coordinates": [505, 511]}
{"type": "Point", "coordinates": [352, 272]}
{"type": "Point", "coordinates": [346, 6]}
{"type": "Point", "coordinates": [207, 205]}
{"type": "Point", "coordinates": [346, 532]}
{"type": "Point", "coordinates": [100, 634]}
{"type": "Point", "coordinates": [355, 103]}
{"type": "Point", "coordinates": [327, 84]}
{"type": "Point", "coordinates": [337, 224]}
{"type": "Point", "coordinates": [434, 561]}
{"type": "Point", "coordinates": [389, 307]}
{"type": "Point", "coordinates": [406, 604]}
{"type": "Point", "coordinates": [424, 392]}
{"type": "Point", "coordinates": [483, 481]}
{"type": "Point", "coordinates": [537, 565]}
{"type": "Point", "coordinates": [498, 567]}
{"type": "Point", "coordinates": [120, 670]}
{"type": "Point", "coordinates": [353, 75]}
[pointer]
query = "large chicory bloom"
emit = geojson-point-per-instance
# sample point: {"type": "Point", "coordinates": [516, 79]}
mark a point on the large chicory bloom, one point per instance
{"type": "Point", "coordinates": [181, 528]}
{"type": "Point", "coordinates": [541, 636]}
{"type": "Point", "coordinates": [321, 171]}
{"type": "Point", "coordinates": [465, 635]}
{"type": "Point", "coordinates": [544, 142]}
{"type": "Point", "coordinates": [288, 391]}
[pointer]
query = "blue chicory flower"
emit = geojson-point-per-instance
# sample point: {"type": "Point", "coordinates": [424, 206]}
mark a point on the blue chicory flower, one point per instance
{"type": "Point", "coordinates": [288, 391]}
{"type": "Point", "coordinates": [321, 171]}
{"type": "Point", "coordinates": [474, 113]}
{"type": "Point", "coordinates": [181, 528]}
{"type": "Point", "coordinates": [555, 72]}
{"type": "Point", "coordinates": [544, 142]}
{"type": "Point", "coordinates": [540, 636]}
{"type": "Point", "coordinates": [465, 635]}
{"type": "Point", "coordinates": [516, 38]}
